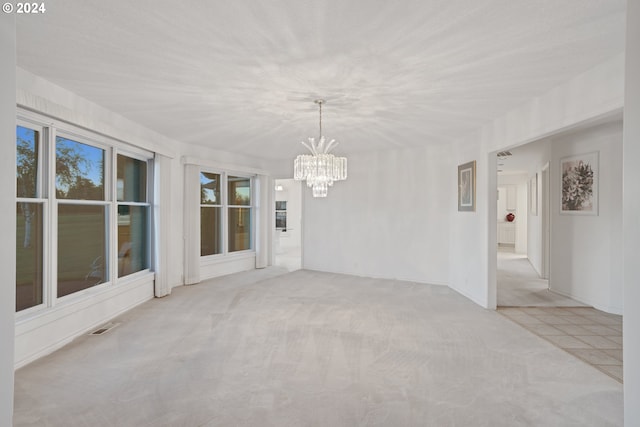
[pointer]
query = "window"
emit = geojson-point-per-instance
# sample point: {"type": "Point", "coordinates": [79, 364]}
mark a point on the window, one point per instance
{"type": "Point", "coordinates": [231, 213]}
{"type": "Point", "coordinates": [210, 214]}
{"type": "Point", "coordinates": [239, 213]}
{"type": "Point", "coordinates": [133, 215]}
{"type": "Point", "coordinates": [82, 216]}
{"type": "Point", "coordinates": [79, 222]}
{"type": "Point", "coordinates": [29, 218]}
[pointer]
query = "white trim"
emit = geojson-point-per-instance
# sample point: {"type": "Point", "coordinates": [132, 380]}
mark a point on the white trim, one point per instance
{"type": "Point", "coordinates": [227, 167]}
{"type": "Point", "coordinates": [223, 258]}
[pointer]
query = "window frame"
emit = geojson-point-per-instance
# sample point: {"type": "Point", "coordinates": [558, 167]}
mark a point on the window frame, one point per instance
{"type": "Point", "coordinates": [223, 215]}
{"type": "Point", "coordinates": [147, 203]}
{"type": "Point", "coordinates": [49, 130]}
{"type": "Point", "coordinates": [40, 198]}
{"type": "Point", "coordinates": [105, 202]}
{"type": "Point", "coordinates": [250, 206]}
{"type": "Point", "coordinates": [225, 206]}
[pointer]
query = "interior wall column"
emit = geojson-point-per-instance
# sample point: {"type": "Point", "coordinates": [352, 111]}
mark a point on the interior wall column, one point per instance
{"type": "Point", "coordinates": [162, 223]}
{"type": "Point", "coordinates": [191, 206]}
{"type": "Point", "coordinates": [7, 213]}
{"type": "Point", "coordinates": [631, 218]}
{"type": "Point", "coordinates": [264, 227]}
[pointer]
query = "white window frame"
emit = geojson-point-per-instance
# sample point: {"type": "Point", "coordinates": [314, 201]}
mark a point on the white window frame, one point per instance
{"type": "Point", "coordinates": [41, 198]}
{"type": "Point", "coordinates": [149, 194]}
{"type": "Point", "coordinates": [49, 129]}
{"type": "Point", "coordinates": [106, 202]}
{"type": "Point", "coordinates": [224, 206]}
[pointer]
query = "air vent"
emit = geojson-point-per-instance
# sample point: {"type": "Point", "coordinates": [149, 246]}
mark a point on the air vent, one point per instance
{"type": "Point", "coordinates": [504, 154]}
{"type": "Point", "coordinates": [104, 329]}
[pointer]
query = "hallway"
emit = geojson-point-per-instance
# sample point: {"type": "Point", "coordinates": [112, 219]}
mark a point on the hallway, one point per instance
{"type": "Point", "coordinates": [520, 286]}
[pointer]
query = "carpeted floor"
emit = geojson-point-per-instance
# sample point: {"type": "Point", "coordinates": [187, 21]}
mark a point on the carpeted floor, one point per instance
{"type": "Point", "coordinates": [263, 348]}
{"type": "Point", "coordinates": [520, 286]}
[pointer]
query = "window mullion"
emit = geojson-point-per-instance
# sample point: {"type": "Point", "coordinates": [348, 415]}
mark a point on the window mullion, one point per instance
{"type": "Point", "coordinates": [112, 226]}
{"type": "Point", "coordinates": [225, 213]}
{"type": "Point", "coordinates": [52, 270]}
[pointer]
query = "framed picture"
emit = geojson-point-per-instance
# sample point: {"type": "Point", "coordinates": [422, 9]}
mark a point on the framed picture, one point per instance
{"type": "Point", "coordinates": [533, 195]}
{"type": "Point", "coordinates": [579, 184]}
{"type": "Point", "coordinates": [467, 187]}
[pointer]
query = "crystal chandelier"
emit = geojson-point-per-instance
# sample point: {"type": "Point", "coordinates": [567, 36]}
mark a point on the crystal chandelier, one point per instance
{"type": "Point", "coordinates": [320, 168]}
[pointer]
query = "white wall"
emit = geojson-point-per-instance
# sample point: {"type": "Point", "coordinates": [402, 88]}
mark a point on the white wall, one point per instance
{"type": "Point", "coordinates": [586, 251]}
{"type": "Point", "coordinates": [631, 152]}
{"type": "Point", "coordinates": [471, 233]}
{"type": "Point", "coordinates": [588, 96]}
{"type": "Point", "coordinates": [389, 219]}
{"type": "Point", "coordinates": [7, 213]}
{"type": "Point", "coordinates": [538, 154]}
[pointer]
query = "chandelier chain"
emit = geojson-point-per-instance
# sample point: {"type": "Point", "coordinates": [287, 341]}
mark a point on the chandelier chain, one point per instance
{"type": "Point", "coordinates": [319, 102]}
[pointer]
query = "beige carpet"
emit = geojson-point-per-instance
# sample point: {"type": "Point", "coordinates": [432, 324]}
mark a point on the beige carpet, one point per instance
{"type": "Point", "coordinates": [520, 286]}
{"type": "Point", "coordinates": [264, 348]}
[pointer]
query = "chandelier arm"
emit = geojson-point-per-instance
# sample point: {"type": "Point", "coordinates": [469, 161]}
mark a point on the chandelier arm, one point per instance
{"type": "Point", "coordinates": [333, 144]}
{"type": "Point", "coordinates": [310, 148]}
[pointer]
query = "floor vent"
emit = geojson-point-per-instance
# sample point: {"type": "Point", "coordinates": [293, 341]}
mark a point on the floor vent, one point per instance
{"type": "Point", "coordinates": [104, 329]}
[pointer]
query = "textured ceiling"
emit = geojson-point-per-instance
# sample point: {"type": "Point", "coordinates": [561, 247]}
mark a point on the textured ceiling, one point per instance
{"type": "Point", "coordinates": [242, 75]}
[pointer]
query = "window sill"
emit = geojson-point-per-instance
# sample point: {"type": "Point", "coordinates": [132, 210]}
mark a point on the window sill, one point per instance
{"type": "Point", "coordinates": [82, 299]}
{"type": "Point", "coordinates": [222, 258]}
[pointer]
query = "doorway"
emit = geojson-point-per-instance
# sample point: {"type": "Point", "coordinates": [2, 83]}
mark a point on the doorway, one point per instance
{"type": "Point", "coordinates": [523, 225]}
{"type": "Point", "coordinates": [287, 231]}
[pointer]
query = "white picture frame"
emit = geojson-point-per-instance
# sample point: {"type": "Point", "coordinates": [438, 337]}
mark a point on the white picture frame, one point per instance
{"type": "Point", "coordinates": [579, 179]}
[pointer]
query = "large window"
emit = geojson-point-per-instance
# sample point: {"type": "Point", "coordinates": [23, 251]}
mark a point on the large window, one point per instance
{"type": "Point", "coordinates": [82, 214]}
{"type": "Point", "coordinates": [226, 223]}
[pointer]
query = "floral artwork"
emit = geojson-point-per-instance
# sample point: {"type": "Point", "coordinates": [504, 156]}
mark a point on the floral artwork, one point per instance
{"type": "Point", "coordinates": [579, 184]}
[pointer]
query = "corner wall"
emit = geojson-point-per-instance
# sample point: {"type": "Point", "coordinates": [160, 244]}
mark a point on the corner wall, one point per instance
{"type": "Point", "coordinates": [7, 213]}
{"type": "Point", "coordinates": [597, 93]}
{"type": "Point", "coordinates": [586, 250]}
{"type": "Point", "coordinates": [389, 219]}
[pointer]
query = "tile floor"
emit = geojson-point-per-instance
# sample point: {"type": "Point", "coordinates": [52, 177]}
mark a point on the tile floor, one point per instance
{"type": "Point", "coordinates": [589, 334]}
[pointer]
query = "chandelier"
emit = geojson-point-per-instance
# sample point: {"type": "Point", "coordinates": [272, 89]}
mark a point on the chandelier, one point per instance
{"type": "Point", "coordinates": [320, 168]}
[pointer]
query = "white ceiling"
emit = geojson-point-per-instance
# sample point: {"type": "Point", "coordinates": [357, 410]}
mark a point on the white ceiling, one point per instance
{"type": "Point", "coordinates": [242, 75]}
